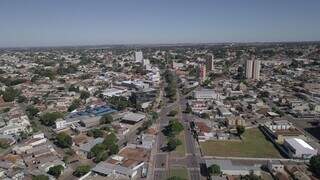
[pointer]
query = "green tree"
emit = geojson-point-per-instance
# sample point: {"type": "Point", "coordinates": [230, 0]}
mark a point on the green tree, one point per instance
{"type": "Point", "coordinates": [84, 95]}
{"type": "Point", "coordinates": [56, 170]}
{"type": "Point", "coordinates": [74, 105]}
{"type": "Point", "coordinates": [73, 88]}
{"type": "Point", "coordinates": [40, 177]}
{"type": "Point", "coordinates": [97, 133]}
{"type": "Point", "coordinates": [154, 115]}
{"type": "Point", "coordinates": [110, 139]}
{"type": "Point", "coordinates": [173, 112]}
{"type": "Point", "coordinates": [31, 111]}
{"type": "Point", "coordinates": [21, 99]}
{"type": "Point", "coordinates": [9, 94]}
{"type": "Point", "coordinates": [188, 108]}
{"type": "Point", "coordinates": [113, 149]}
{"type": "Point", "coordinates": [49, 118]}
{"type": "Point", "coordinates": [315, 164]}
{"type": "Point", "coordinates": [106, 119]}
{"type": "Point", "coordinates": [98, 149]}
{"type": "Point", "coordinates": [250, 176]}
{"type": "Point", "coordinates": [214, 170]}
{"type": "Point", "coordinates": [173, 143]}
{"type": "Point", "coordinates": [240, 130]}
{"type": "Point", "coordinates": [173, 128]}
{"type": "Point", "coordinates": [81, 170]}
{"type": "Point", "coordinates": [64, 140]}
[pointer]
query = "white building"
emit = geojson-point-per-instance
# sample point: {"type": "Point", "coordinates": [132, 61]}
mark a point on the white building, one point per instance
{"type": "Point", "coordinates": [138, 56]}
{"type": "Point", "coordinates": [253, 69]}
{"type": "Point", "coordinates": [206, 94]}
{"type": "Point", "coordinates": [298, 148]}
{"type": "Point", "coordinates": [61, 124]}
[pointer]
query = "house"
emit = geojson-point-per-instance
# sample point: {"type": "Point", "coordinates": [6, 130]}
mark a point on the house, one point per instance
{"type": "Point", "coordinates": [132, 118]}
{"type": "Point", "coordinates": [224, 112]}
{"type": "Point", "coordinates": [17, 124]}
{"type": "Point", "coordinates": [147, 140]}
{"type": "Point", "coordinates": [84, 149]}
{"type": "Point", "coordinates": [203, 131]}
{"type": "Point", "coordinates": [235, 121]}
{"type": "Point", "coordinates": [275, 166]}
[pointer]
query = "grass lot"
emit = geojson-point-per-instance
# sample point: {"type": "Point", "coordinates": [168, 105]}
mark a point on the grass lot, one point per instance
{"type": "Point", "coordinates": [179, 172]}
{"type": "Point", "coordinates": [254, 145]}
{"type": "Point", "coordinates": [181, 149]}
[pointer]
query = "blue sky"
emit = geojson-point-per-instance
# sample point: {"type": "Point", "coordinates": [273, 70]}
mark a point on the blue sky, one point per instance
{"type": "Point", "coordinates": [90, 22]}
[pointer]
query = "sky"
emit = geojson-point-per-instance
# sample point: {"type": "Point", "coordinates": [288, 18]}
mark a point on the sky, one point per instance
{"type": "Point", "coordinates": [97, 22]}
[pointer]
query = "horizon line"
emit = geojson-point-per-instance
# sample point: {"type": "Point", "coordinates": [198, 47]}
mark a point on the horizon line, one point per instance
{"type": "Point", "coordinates": [156, 44]}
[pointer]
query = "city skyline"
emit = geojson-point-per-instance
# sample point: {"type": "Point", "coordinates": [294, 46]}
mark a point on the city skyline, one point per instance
{"type": "Point", "coordinates": [59, 23]}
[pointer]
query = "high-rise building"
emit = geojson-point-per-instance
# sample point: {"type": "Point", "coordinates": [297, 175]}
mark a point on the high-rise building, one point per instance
{"type": "Point", "coordinates": [249, 67]}
{"type": "Point", "coordinates": [256, 70]}
{"type": "Point", "coordinates": [138, 56]}
{"type": "Point", "coordinates": [209, 62]}
{"type": "Point", "coordinates": [253, 69]}
{"type": "Point", "coordinates": [202, 72]}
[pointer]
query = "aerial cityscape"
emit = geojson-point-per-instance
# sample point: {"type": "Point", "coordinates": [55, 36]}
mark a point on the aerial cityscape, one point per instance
{"type": "Point", "coordinates": [132, 90]}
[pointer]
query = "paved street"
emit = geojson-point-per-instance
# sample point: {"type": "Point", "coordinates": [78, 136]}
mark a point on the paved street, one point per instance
{"type": "Point", "coordinates": [162, 159]}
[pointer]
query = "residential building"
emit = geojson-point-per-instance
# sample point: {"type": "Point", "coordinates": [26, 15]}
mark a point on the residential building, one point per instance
{"type": "Point", "coordinates": [209, 62]}
{"type": "Point", "coordinates": [253, 69]}
{"type": "Point", "coordinates": [202, 72]}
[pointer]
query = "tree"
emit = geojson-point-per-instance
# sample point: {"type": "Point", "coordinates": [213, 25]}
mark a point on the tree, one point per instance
{"type": "Point", "coordinates": [106, 119]}
{"type": "Point", "coordinates": [240, 130]}
{"type": "Point", "coordinates": [113, 149]}
{"type": "Point", "coordinates": [40, 177]}
{"type": "Point", "coordinates": [214, 169]}
{"type": "Point", "coordinates": [173, 128]}
{"type": "Point", "coordinates": [21, 99]}
{"type": "Point", "coordinates": [264, 94]}
{"type": "Point", "coordinates": [250, 176]}
{"type": "Point", "coordinates": [154, 115]}
{"type": "Point", "coordinates": [81, 170]}
{"type": "Point", "coordinates": [173, 143]}
{"type": "Point", "coordinates": [119, 102]}
{"type": "Point", "coordinates": [74, 105]}
{"type": "Point", "coordinates": [173, 112]}
{"type": "Point", "coordinates": [98, 149]}
{"type": "Point", "coordinates": [84, 95]}
{"type": "Point", "coordinates": [188, 108]}
{"type": "Point", "coordinates": [9, 94]}
{"type": "Point", "coordinates": [315, 164]}
{"type": "Point", "coordinates": [110, 139]}
{"type": "Point", "coordinates": [64, 140]}
{"type": "Point", "coordinates": [97, 133]}
{"type": "Point", "coordinates": [73, 88]}
{"type": "Point", "coordinates": [49, 118]}
{"type": "Point", "coordinates": [56, 170]}
{"type": "Point", "coordinates": [32, 111]}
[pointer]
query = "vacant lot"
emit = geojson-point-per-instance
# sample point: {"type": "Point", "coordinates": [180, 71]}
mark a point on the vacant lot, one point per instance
{"type": "Point", "coordinates": [254, 145]}
{"type": "Point", "coordinates": [179, 172]}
